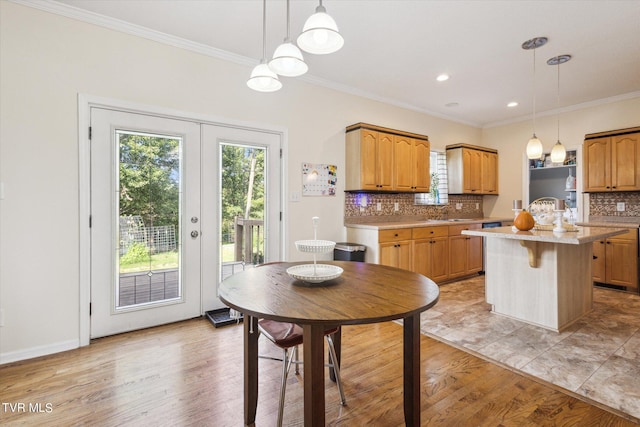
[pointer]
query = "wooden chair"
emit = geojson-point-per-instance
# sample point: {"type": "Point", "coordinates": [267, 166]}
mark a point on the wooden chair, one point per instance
{"type": "Point", "coordinates": [288, 336]}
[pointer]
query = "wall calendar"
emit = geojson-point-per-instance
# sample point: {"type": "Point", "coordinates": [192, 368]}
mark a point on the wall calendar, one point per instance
{"type": "Point", "coordinates": [319, 179]}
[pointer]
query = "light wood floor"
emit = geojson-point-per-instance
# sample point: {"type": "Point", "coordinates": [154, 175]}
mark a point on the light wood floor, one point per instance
{"type": "Point", "coordinates": [190, 373]}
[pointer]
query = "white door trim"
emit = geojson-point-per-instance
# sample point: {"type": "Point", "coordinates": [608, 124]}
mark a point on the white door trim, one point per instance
{"type": "Point", "coordinates": [85, 103]}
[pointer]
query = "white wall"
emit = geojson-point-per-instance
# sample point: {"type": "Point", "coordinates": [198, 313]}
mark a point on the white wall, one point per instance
{"type": "Point", "coordinates": [46, 61]}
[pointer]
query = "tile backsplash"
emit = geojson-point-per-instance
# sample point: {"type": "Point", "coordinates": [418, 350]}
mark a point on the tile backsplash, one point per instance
{"type": "Point", "coordinates": [364, 206]}
{"type": "Point", "coordinates": [605, 204]}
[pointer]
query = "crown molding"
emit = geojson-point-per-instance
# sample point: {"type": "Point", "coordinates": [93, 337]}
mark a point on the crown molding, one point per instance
{"type": "Point", "coordinates": [575, 107]}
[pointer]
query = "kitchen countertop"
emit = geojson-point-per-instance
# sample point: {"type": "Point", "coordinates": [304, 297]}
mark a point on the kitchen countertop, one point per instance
{"type": "Point", "coordinates": [612, 221]}
{"type": "Point", "coordinates": [413, 223]}
{"type": "Point", "coordinates": [581, 236]}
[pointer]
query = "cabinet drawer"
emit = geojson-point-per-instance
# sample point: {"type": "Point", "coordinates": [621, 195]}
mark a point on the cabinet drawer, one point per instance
{"type": "Point", "coordinates": [455, 230]}
{"type": "Point", "coordinates": [394, 235]}
{"type": "Point", "coordinates": [427, 232]}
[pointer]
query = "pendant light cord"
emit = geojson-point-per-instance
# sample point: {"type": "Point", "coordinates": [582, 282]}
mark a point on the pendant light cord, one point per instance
{"type": "Point", "coordinates": [534, 90]}
{"type": "Point", "coordinates": [558, 99]}
{"type": "Point", "coordinates": [264, 30]}
{"type": "Point", "coordinates": [288, 22]}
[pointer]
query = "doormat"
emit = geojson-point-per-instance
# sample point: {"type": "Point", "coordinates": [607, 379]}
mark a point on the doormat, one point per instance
{"type": "Point", "coordinates": [222, 317]}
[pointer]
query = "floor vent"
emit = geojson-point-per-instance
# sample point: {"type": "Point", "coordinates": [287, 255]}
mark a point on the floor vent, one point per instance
{"type": "Point", "coordinates": [223, 317]}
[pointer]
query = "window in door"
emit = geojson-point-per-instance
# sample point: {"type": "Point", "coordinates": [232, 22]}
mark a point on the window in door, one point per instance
{"type": "Point", "coordinates": [148, 219]}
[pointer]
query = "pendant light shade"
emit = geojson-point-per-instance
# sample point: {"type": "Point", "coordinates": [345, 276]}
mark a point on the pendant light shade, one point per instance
{"type": "Point", "coordinates": [262, 78]}
{"type": "Point", "coordinates": [320, 34]}
{"type": "Point", "coordinates": [287, 58]}
{"type": "Point", "coordinates": [534, 146]}
{"type": "Point", "coordinates": [558, 153]}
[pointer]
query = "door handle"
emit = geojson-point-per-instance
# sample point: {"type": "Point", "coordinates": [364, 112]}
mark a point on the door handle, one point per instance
{"type": "Point", "coordinates": [194, 234]}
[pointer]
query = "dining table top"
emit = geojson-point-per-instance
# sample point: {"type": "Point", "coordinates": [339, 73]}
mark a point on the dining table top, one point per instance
{"type": "Point", "coordinates": [363, 293]}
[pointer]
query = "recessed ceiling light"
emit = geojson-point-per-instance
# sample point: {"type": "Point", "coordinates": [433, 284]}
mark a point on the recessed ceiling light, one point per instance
{"type": "Point", "coordinates": [512, 104]}
{"type": "Point", "coordinates": [451, 104]}
{"type": "Point", "coordinates": [442, 77]}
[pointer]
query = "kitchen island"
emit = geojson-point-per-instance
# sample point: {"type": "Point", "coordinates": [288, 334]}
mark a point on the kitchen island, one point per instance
{"type": "Point", "coordinates": [540, 277]}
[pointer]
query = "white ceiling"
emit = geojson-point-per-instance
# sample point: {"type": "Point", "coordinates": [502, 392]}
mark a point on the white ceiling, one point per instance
{"type": "Point", "coordinates": [394, 49]}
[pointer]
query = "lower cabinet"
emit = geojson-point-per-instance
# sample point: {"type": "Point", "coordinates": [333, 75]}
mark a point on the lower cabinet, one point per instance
{"type": "Point", "coordinates": [396, 248]}
{"type": "Point", "coordinates": [465, 252]}
{"type": "Point", "coordinates": [615, 260]}
{"type": "Point", "coordinates": [431, 252]}
{"type": "Point", "coordinates": [439, 252]}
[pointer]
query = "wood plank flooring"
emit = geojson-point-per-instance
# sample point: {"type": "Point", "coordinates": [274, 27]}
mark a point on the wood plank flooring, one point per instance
{"type": "Point", "coordinates": [190, 373]}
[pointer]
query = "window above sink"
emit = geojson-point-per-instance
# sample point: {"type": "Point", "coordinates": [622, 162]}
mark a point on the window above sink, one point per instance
{"type": "Point", "coordinates": [439, 190]}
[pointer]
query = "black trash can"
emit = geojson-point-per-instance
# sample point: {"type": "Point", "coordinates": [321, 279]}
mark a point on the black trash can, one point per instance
{"type": "Point", "coordinates": [349, 252]}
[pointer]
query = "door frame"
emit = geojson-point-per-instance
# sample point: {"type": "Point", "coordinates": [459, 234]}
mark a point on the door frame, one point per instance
{"type": "Point", "coordinates": [85, 103]}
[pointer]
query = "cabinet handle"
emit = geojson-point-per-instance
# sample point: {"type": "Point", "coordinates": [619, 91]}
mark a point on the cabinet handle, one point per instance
{"type": "Point", "coordinates": [595, 257]}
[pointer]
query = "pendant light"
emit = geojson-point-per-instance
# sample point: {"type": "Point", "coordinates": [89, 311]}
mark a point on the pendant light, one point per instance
{"type": "Point", "coordinates": [558, 153]}
{"type": "Point", "coordinates": [287, 58]}
{"type": "Point", "coordinates": [534, 146]}
{"type": "Point", "coordinates": [262, 78]}
{"type": "Point", "coordinates": [320, 34]}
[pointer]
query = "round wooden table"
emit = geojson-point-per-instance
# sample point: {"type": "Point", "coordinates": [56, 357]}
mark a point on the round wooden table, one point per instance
{"type": "Point", "coordinates": [364, 293]}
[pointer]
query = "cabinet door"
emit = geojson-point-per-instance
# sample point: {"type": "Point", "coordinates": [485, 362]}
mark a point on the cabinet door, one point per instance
{"type": "Point", "coordinates": [625, 162]}
{"type": "Point", "coordinates": [421, 166]}
{"type": "Point", "coordinates": [474, 254]}
{"type": "Point", "coordinates": [621, 263]}
{"type": "Point", "coordinates": [368, 160]}
{"type": "Point", "coordinates": [422, 257]}
{"type": "Point", "coordinates": [598, 267]}
{"type": "Point", "coordinates": [457, 256]}
{"type": "Point", "coordinates": [385, 161]}
{"type": "Point", "coordinates": [472, 170]}
{"type": "Point", "coordinates": [489, 173]}
{"type": "Point", "coordinates": [597, 164]}
{"type": "Point", "coordinates": [389, 254]}
{"type": "Point", "coordinates": [403, 163]}
{"type": "Point", "coordinates": [430, 258]}
{"type": "Point", "coordinates": [396, 254]}
{"type": "Point", "coordinates": [439, 259]}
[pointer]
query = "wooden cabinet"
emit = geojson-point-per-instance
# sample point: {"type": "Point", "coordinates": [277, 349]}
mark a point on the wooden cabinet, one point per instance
{"type": "Point", "coordinates": [615, 260]}
{"type": "Point", "coordinates": [472, 170]}
{"type": "Point", "coordinates": [465, 252]}
{"type": "Point", "coordinates": [396, 248]}
{"type": "Point", "coordinates": [369, 161]}
{"type": "Point", "coordinates": [411, 164]}
{"type": "Point", "coordinates": [489, 173]}
{"type": "Point", "coordinates": [382, 159]}
{"type": "Point", "coordinates": [439, 252]}
{"type": "Point", "coordinates": [611, 162]}
{"type": "Point", "coordinates": [431, 252]}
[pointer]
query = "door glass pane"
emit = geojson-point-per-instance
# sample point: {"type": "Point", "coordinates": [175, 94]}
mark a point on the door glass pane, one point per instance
{"type": "Point", "coordinates": [149, 194]}
{"type": "Point", "coordinates": [243, 193]}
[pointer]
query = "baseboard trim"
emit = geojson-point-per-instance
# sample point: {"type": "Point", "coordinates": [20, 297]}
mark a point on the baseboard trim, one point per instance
{"type": "Point", "coordinates": [43, 350]}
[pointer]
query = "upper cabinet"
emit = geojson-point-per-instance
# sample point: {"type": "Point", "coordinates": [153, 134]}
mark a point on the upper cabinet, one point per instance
{"type": "Point", "coordinates": [612, 161]}
{"type": "Point", "coordinates": [382, 159]}
{"type": "Point", "coordinates": [472, 170]}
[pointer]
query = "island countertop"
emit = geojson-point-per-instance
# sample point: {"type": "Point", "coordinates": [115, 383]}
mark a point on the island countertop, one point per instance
{"type": "Point", "coordinates": [581, 236]}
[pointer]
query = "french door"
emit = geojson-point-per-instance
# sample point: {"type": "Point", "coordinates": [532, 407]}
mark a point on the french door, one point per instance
{"type": "Point", "coordinates": [241, 203]}
{"type": "Point", "coordinates": [145, 208]}
{"type": "Point", "coordinates": [163, 202]}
